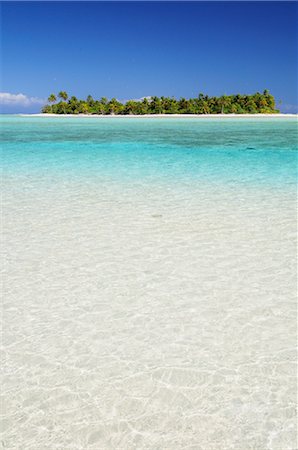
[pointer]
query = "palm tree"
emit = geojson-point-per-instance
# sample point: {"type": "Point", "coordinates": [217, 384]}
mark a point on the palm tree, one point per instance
{"type": "Point", "coordinates": [144, 106]}
{"type": "Point", "coordinates": [52, 98]}
{"type": "Point", "coordinates": [155, 105]}
{"type": "Point", "coordinates": [131, 107]}
{"type": "Point", "coordinates": [224, 102]}
{"type": "Point", "coordinates": [114, 106]}
{"type": "Point", "coordinates": [84, 108]}
{"type": "Point", "coordinates": [63, 95]}
{"type": "Point", "coordinates": [104, 100]}
{"type": "Point", "coordinates": [183, 105]}
{"type": "Point", "coordinates": [73, 104]}
{"type": "Point", "coordinates": [90, 100]}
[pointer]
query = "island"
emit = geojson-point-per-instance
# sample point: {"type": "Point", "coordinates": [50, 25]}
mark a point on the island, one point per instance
{"type": "Point", "coordinates": [258, 103]}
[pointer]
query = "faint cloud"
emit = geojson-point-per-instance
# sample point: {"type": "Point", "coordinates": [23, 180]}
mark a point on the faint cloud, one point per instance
{"type": "Point", "coordinates": [143, 98]}
{"type": "Point", "coordinates": [6, 98]}
{"type": "Point", "coordinates": [287, 108]}
{"type": "Point", "coordinates": [149, 97]}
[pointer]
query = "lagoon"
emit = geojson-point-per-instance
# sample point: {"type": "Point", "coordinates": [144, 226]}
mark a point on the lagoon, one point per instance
{"type": "Point", "coordinates": [150, 283]}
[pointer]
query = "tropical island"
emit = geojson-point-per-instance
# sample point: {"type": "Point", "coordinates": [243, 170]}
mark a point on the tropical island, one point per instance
{"type": "Point", "coordinates": [258, 103]}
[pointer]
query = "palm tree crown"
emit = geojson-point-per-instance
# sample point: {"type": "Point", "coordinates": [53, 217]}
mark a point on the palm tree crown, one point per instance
{"type": "Point", "coordinates": [63, 95]}
{"type": "Point", "coordinates": [52, 98]}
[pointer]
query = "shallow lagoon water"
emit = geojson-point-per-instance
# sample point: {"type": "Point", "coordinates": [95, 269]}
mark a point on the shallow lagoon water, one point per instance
{"type": "Point", "coordinates": [149, 283]}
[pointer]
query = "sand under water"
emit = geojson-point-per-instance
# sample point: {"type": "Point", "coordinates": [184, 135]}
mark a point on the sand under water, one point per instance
{"type": "Point", "coordinates": [149, 296]}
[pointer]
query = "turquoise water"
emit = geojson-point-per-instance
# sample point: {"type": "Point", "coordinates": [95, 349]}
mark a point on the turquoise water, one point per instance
{"type": "Point", "coordinates": [150, 283]}
{"type": "Point", "coordinates": [250, 151]}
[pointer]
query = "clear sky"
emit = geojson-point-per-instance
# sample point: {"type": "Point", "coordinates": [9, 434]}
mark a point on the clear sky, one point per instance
{"type": "Point", "coordinates": [136, 49]}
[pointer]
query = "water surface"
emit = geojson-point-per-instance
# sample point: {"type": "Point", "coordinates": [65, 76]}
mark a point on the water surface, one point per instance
{"type": "Point", "coordinates": [149, 283]}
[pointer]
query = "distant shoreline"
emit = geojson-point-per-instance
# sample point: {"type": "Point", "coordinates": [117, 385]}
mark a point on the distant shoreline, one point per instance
{"type": "Point", "coordinates": [147, 116]}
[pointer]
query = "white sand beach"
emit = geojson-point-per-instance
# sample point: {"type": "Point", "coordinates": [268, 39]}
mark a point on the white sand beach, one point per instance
{"type": "Point", "coordinates": [168, 116]}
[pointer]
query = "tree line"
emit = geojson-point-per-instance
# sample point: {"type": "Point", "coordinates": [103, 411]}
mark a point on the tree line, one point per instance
{"type": "Point", "coordinates": [258, 103]}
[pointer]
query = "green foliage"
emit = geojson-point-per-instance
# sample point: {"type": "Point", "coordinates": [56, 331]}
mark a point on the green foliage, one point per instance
{"type": "Point", "coordinates": [202, 104]}
{"type": "Point", "coordinates": [52, 98]}
{"type": "Point", "coordinates": [63, 95]}
{"type": "Point", "coordinates": [47, 109]}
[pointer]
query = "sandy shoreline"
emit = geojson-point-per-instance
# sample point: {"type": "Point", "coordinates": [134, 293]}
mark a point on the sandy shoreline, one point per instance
{"type": "Point", "coordinates": [197, 116]}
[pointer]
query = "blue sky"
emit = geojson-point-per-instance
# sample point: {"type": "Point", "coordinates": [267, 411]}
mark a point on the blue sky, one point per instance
{"type": "Point", "coordinates": [135, 49]}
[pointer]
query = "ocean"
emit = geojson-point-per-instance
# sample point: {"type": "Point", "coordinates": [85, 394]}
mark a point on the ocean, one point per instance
{"type": "Point", "coordinates": [149, 294]}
